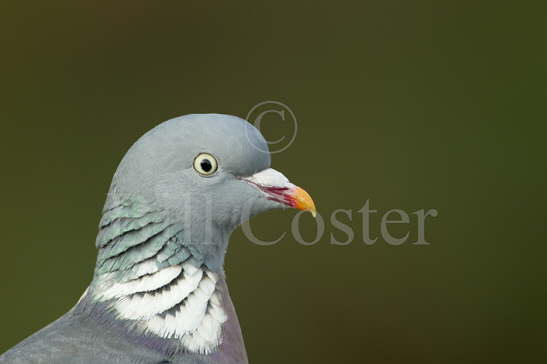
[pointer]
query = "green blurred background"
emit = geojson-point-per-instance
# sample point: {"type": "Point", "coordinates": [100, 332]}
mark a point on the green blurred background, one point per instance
{"type": "Point", "coordinates": [410, 104]}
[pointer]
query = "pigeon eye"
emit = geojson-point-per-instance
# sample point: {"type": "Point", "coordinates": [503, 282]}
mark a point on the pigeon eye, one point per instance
{"type": "Point", "coordinates": [205, 164]}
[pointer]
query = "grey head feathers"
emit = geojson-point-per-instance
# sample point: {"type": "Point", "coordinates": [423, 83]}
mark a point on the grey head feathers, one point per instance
{"type": "Point", "coordinates": [156, 193]}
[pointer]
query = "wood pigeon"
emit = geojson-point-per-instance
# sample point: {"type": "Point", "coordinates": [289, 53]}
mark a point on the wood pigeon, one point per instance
{"type": "Point", "coordinates": [159, 292]}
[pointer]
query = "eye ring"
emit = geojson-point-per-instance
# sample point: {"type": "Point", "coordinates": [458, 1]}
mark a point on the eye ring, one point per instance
{"type": "Point", "coordinates": [205, 164]}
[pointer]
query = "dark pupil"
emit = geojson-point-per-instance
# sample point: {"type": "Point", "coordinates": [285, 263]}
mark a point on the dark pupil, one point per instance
{"type": "Point", "coordinates": [206, 165]}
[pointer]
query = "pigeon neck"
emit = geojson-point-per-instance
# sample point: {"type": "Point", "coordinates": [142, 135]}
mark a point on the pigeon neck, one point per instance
{"type": "Point", "coordinates": [154, 282]}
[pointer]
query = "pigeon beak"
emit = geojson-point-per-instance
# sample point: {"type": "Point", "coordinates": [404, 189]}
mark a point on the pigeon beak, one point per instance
{"type": "Point", "coordinates": [278, 188]}
{"type": "Point", "coordinates": [301, 200]}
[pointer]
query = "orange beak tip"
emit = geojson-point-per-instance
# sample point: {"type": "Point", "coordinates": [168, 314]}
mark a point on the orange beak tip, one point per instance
{"type": "Point", "coordinates": [303, 201]}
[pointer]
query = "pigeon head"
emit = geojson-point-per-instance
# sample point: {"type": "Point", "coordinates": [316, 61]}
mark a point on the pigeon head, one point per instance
{"type": "Point", "coordinates": [206, 173]}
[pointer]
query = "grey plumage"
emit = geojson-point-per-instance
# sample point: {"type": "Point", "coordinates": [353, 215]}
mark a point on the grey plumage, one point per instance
{"type": "Point", "coordinates": [164, 230]}
{"type": "Point", "coordinates": [82, 338]}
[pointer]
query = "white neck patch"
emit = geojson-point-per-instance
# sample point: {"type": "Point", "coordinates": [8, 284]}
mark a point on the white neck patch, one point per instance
{"type": "Point", "coordinates": [181, 302]}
